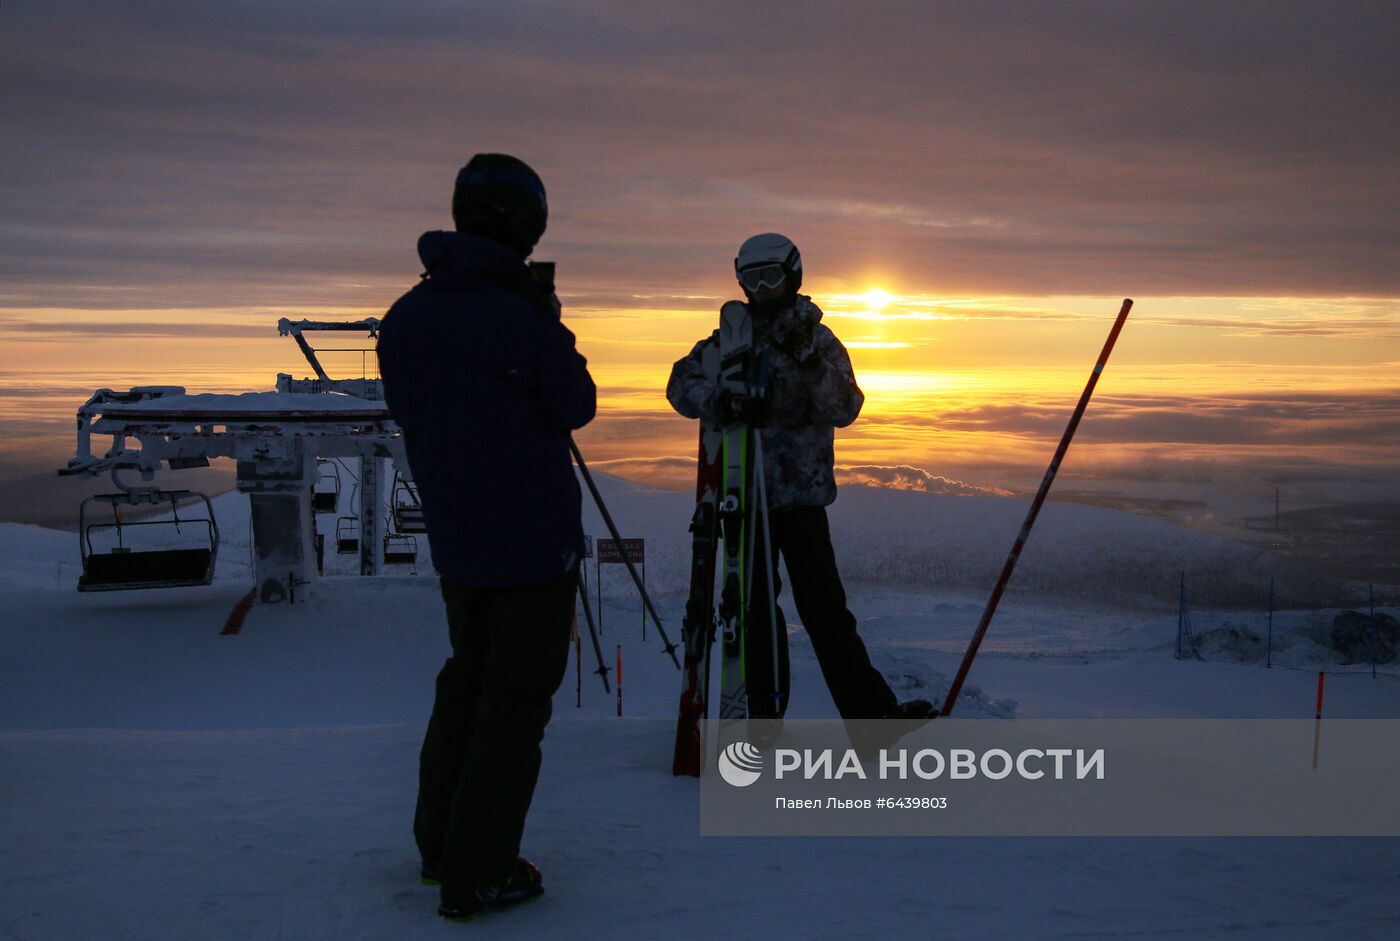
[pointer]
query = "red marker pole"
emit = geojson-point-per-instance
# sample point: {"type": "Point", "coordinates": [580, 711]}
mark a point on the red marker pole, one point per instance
{"type": "Point", "coordinates": [1036, 504]}
{"type": "Point", "coordinates": [619, 679]}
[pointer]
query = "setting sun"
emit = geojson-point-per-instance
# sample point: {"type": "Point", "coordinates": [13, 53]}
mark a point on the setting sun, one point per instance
{"type": "Point", "coordinates": [877, 299]}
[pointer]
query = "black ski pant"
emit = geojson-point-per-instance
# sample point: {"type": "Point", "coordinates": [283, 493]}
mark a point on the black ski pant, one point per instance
{"type": "Point", "coordinates": [481, 754]}
{"type": "Point", "coordinates": [802, 538]}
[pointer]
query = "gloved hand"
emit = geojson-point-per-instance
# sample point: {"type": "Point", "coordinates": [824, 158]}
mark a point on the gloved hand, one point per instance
{"type": "Point", "coordinates": [794, 334]}
{"type": "Point", "coordinates": [542, 277]}
{"type": "Point", "coordinates": [739, 408]}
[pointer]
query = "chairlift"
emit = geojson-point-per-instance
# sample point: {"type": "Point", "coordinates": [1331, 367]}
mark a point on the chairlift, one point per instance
{"type": "Point", "coordinates": [347, 528]}
{"type": "Point", "coordinates": [408, 509]}
{"type": "Point", "coordinates": [121, 567]}
{"type": "Point", "coordinates": [347, 535]}
{"type": "Point", "coordinates": [400, 549]}
{"type": "Point", "coordinates": [325, 492]}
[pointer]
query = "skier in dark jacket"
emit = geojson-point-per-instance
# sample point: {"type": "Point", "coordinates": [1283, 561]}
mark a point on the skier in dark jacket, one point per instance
{"type": "Point", "coordinates": [812, 392]}
{"type": "Point", "coordinates": [486, 384]}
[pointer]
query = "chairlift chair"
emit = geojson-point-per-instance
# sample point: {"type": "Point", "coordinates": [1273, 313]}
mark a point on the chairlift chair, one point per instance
{"type": "Point", "coordinates": [400, 549]}
{"type": "Point", "coordinates": [325, 492]}
{"type": "Point", "coordinates": [408, 509]}
{"type": "Point", "coordinates": [122, 567]}
{"type": "Point", "coordinates": [347, 535]}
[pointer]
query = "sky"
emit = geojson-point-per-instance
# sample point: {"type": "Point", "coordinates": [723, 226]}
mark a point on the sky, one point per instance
{"type": "Point", "coordinates": [974, 187]}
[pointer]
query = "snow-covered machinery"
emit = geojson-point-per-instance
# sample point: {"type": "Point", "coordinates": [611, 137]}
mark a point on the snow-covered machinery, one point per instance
{"type": "Point", "coordinates": [407, 508]}
{"type": "Point", "coordinates": [400, 549]}
{"type": "Point", "coordinates": [289, 445]}
{"type": "Point", "coordinates": [347, 535]}
{"type": "Point", "coordinates": [167, 553]}
{"type": "Point", "coordinates": [325, 492]}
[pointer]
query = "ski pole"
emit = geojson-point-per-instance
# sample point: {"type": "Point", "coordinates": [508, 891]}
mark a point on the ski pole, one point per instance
{"type": "Point", "coordinates": [1036, 504]}
{"type": "Point", "coordinates": [669, 648]}
{"type": "Point", "coordinates": [593, 635]}
{"type": "Point", "coordinates": [1317, 722]}
{"type": "Point", "coordinates": [761, 506]}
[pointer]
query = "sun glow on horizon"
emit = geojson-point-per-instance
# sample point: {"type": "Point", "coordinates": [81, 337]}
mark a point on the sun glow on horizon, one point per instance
{"type": "Point", "coordinates": [876, 299]}
{"type": "Point", "coordinates": [953, 385]}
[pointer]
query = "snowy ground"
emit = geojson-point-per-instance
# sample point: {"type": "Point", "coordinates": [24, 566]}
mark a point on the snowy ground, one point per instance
{"type": "Point", "coordinates": [160, 780]}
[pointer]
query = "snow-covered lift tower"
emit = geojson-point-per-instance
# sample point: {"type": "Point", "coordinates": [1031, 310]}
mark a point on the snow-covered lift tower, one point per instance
{"type": "Point", "coordinates": [371, 480]}
{"type": "Point", "coordinates": [275, 438]}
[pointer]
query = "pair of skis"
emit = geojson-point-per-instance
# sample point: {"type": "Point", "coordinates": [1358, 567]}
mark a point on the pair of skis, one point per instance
{"type": "Point", "coordinates": [730, 505]}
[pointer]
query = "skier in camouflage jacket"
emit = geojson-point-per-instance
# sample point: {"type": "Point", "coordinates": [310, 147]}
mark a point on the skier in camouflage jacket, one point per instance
{"type": "Point", "coordinates": [812, 392]}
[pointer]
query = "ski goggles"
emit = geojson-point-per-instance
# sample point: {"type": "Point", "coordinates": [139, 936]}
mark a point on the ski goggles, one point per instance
{"type": "Point", "coordinates": [759, 277]}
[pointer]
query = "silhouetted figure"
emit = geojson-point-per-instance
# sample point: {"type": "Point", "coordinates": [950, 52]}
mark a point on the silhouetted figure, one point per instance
{"type": "Point", "coordinates": [487, 385]}
{"type": "Point", "coordinates": [812, 391]}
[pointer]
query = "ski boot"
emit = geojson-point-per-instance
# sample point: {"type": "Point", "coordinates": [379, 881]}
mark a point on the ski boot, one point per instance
{"type": "Point", "coordinates": [524, 883]}
{"type": "Point", "coordinates": [869, 737]}
{"type": "Point", "coordinates": [913, 710]}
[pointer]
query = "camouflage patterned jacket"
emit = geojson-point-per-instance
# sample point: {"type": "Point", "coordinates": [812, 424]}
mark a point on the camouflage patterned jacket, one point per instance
{"type": "Point", "coordinates": [814, 392]}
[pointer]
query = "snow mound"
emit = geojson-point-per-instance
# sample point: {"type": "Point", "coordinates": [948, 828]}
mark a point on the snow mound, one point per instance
{"type": "Point", "coordinates": [914, 540]}
{"type": "Point", "coordinates": [1318, 639]}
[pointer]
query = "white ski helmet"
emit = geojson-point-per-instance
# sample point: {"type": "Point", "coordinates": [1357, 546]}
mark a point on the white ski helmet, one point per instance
{"type": "Point", "coordinates": [767, 260]}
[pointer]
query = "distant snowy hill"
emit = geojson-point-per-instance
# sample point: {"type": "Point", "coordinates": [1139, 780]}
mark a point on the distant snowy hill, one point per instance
{"type": "Point", "coordinates": [923, 541]}
{"type": "Point", "coordinates": [891, 538]}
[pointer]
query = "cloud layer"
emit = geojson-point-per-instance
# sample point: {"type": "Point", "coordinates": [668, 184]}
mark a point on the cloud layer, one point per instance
{"type": "Point", "coordinates": [247, 153]}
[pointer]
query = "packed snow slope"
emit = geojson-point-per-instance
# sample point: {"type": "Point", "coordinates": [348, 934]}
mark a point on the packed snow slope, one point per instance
{"type": "Point", "coordinates": [161, 780]}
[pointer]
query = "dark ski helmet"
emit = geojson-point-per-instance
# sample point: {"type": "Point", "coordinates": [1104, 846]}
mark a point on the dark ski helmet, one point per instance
{"type": "Point", "coordinates": [769, 261]}
{"type": "Point", "coordinates": [499, 197]}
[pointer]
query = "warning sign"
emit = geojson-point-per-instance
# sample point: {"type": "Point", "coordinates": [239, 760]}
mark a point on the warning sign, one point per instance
{"type": "Point", "coordinates": [612, 550]}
